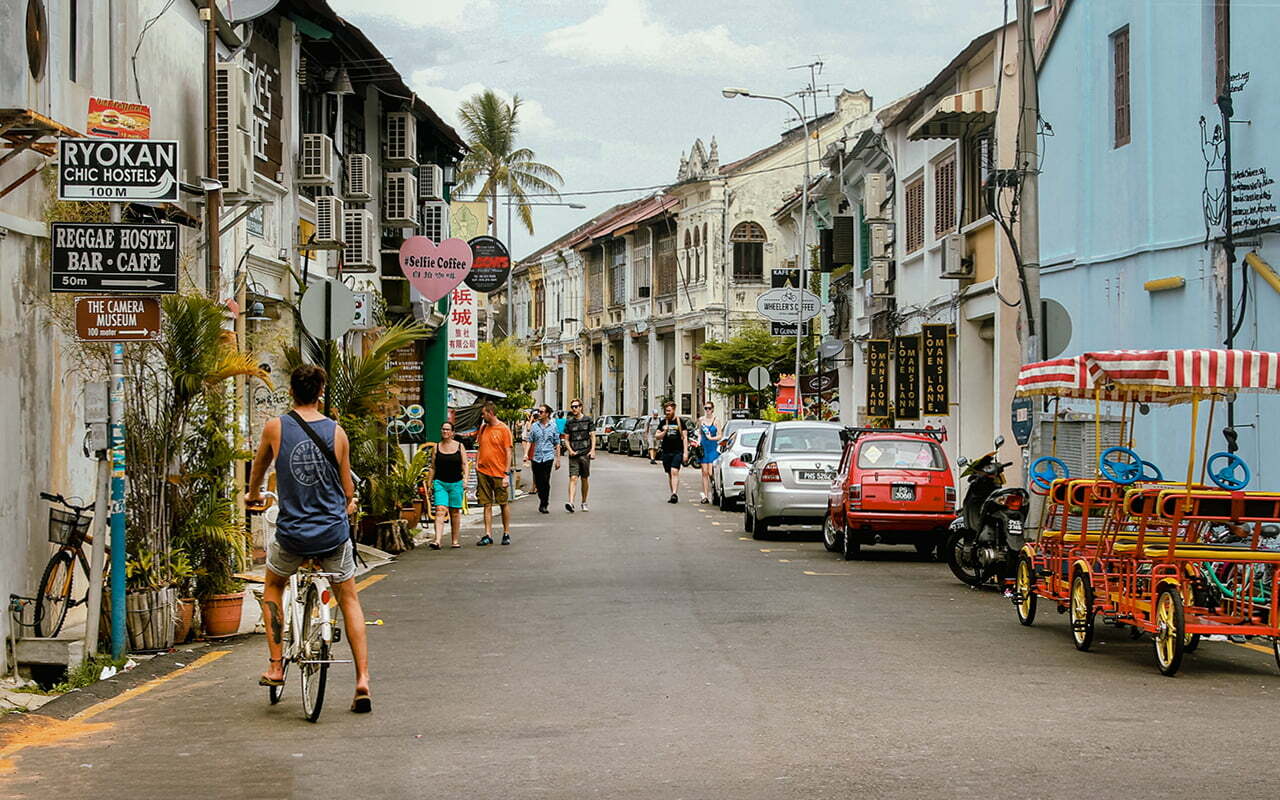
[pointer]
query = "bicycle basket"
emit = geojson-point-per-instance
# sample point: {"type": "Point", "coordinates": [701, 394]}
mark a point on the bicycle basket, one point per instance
{"type": "Point", "coordinates": [67, 527]}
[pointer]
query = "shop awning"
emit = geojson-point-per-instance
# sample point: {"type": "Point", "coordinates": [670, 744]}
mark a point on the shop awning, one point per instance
{"type": "Point", "coordinates": [956, 115]}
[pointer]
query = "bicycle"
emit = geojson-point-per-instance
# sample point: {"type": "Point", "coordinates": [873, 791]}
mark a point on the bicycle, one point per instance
{"type": "Point", "coordinates": [69, 529]}
{"type": "Point", "coordinates": [307, 613]}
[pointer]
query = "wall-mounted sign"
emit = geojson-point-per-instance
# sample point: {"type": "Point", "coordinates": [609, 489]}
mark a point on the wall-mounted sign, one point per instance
{"type": "Point", "coordinates": [118, 170]}
{"type": "Point", "coordinates": [267, 104]}
{"type": "Point", "coordinates": [468, 219]}
{"type": "Point", "coordinates": [782, 305]}
{"type": "Point", "coordinates": [491, 265]}
{"type": "Point", "coordinates": [117, 319]}
{"type": "Point", "coordinates": [906, 377]}
{"type": "Point", "coordinates": [364, 311]}
{"type": "Point", "coordinates": [407, 363]}
{"type": "Point", "coordinates": [92, 257]}
{"type": "Point", "coordinates": [464, 325]}
{"type": "Point", "coordinates": [878, 378]}
{"type": "Point", "coordinates": [783, 278]}
{"type": "Point", "coordinates": [1023, 419]}
{"type": "Point", "coordinates": [819, 384]}
{"type": "Point", "coordinates": [935, 368]}
{"type": "Point", "coordinates": [117, 119]}
{"type": "Point", "coordinates": [434, 269]}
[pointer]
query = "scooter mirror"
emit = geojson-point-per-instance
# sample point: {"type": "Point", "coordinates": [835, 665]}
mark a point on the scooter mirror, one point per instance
{"type": "Point", "coordinates": [963, 462]}
{"type": "Point", "coordinates": [999, 442]}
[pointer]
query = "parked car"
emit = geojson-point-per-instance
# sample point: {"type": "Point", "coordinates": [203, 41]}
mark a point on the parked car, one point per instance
{"type": "Point", "coordinates": [790, 477]}
{"type": "Point", "coordinates": [604, 427]}
{"type": "Point", "coordinates": [893, 487]}
{"type": "Point", "coordinates": [735, 425]}
{"type": "Point", "coordinates": [618, 436]}
{"type": "Point", "coordinates": [637, 444]}
{"type": "Point", "coordinates": [729, 473]}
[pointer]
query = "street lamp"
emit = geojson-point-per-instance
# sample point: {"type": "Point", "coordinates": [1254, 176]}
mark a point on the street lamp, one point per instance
{"type": "Point", "coordinates": [730, 93]}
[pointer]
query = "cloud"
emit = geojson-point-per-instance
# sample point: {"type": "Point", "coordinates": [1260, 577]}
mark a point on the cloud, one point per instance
{"type": "Point", "coordinates": [624, 33]}
{"type": "Point", "coordinates": [534, 121]}
{"type": "Point", "coordinates": [450, 15]}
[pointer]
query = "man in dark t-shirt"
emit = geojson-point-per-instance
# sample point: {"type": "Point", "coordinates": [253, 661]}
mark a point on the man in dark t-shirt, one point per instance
{"type": "Point", "coordinates": [579, 442]}
{"type": "Point", "coordinates": [674, 443]}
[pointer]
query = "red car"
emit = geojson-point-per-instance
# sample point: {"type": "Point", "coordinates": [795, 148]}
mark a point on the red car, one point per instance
{"type": "Point", "coordinates": [893, 486]}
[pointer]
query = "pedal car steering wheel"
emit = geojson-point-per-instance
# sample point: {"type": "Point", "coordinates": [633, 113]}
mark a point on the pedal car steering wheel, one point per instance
{"type": "Point", "coordinates": [1226, 475]}
{"type": "Point", "coordinates": [1151, 473]}
{"type": "Point", "coordinates": [1045, 470]}
{"type": "Point", "coordinates": [1121, 472]}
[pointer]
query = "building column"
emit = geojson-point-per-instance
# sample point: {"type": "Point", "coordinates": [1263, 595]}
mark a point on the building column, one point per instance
{"type": "Point", "coordinates": [655, 369]}
{"type": "Point", "coordinates": [609, 384]}
{"type": "Point", "coordinates": [684, 371]}
{"type": "Point", "coordinates": [630, 376]}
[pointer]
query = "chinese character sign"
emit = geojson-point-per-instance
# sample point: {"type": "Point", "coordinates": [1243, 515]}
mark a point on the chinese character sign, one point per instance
{"type": "Point", "coordinates": [464, 329]}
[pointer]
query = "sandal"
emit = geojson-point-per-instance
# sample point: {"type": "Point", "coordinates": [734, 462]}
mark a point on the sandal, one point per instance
{"type": "Point", "coordinates": [263, 680]}
{"type": "Point", "coordinates": [454, 546]}
{"type": "Point", "coordinates": [361, 704]}
{"type": "Point", "coordinates": [434, 545]}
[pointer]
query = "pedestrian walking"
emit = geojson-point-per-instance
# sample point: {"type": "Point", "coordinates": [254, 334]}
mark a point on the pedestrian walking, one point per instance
{"type": "Point", "coordinates": [709, 438]}
{"type": "Point", "coordinates": [448, 481]}
{"type": "Point", "coordinates": [316, 494]}
{"type": "Point", "coordinates": [650, 433]}
{"type": "Point", "coordinates": [493, 459]}
{"type": "Point", "coordinates": [579, 443]}
{"type": "Point", "coordinates": [674, 441]}
{"type": "Point", "coordinates": [543, 450]}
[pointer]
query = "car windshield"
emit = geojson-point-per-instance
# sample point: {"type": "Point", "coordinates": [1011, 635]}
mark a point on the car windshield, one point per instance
{"type": "Point", "coordinates": [900, 454]}
{"type": "Point", "coordinates": [750, 438]}
{"type": "Point", "coordinates": [806, 440]}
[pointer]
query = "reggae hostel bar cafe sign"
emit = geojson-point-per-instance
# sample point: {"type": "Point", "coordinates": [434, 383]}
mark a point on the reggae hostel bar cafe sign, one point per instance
{"type": "Point", "coordinates": [117, 170]}
{"type": "Point", "coordinates": [114, 258]}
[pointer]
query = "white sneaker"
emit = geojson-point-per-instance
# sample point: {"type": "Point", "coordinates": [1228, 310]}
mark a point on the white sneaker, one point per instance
{"type": "Point", "coordinates": [584, 507]}
{"type": "Point", "coordinates": [702, 498]}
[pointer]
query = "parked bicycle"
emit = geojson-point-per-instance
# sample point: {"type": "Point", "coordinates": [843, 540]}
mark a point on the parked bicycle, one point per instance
{"type": "Point", "coordinates": [69, 529]}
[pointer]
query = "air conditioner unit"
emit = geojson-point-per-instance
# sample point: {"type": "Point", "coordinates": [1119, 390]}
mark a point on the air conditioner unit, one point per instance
{"type": "Point", "coordinates": [881, 271]}
{"type": "Point", "coordinates": [881, 239]}
{"type": "Point", "coordinates": [435, 221]}
{"type": "Point", "coordinates": [360, 232]}
{"type": "Point", "coordinates": [954, 263]}
{"type": "Point", "coordinates": [873, 196]}
{"type": "Point", "coordinates": [400, 199]}
{"type": "Point", "coordinates": [359, 177]}
{"type": "Point", "coordinates": [316, 167]}
{"type": "Point", "coordinates": [430, 182]}
{"type": "Point", "coordinates": [329, 220]}
{"type": "Point", "coordinates": [402, 140]}
{"type": "Point", "coordinates": [235, 128]}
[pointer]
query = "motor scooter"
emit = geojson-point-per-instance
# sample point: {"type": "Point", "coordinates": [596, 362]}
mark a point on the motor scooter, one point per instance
{"type": "Point", "coordinates": [984, 541]}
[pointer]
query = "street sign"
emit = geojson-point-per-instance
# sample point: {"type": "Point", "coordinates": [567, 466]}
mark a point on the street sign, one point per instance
{"type": "Point", "coordinates": [1023, 419]}
{"type": "Point", "coordinates": [830, 348]}
{"type": "Point", "coordinates": [118, 119]}
{"type": "Point", "coordinates": [464, 325]}
{"type": "Point", "coordinates": [117, 170]}
{"type": "Point", "coordinates": [491, 265]}
{"type": "Point", "coordinates": [758, 378]}
{"type": "Point", "coordinates": [328, 309]}
{"type": "Point", "coordinates": [818, 384]}
{"type": "Point", "coordinates": [117, 319]}
{"type": "Point", "coordinates": [782, 305]}
{"type": "Point", "coordinates": [109, 258]}
{"type": "Point", "coordinates": [782, 278]}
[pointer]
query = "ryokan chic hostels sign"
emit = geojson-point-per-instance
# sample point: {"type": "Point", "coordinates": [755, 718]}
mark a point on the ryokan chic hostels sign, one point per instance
{"type": "Point", "coordinates": [117, 170]}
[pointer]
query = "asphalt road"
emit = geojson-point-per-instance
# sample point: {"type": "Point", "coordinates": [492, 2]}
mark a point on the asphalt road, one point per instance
{"type": "Point", "coordinates": [645, 650]}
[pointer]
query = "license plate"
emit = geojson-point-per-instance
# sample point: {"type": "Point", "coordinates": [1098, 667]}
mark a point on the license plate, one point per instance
{"type": "Point", "coordinates": [1015, 527]}
{"type": "Point", "coordinates": [816, 475]}
{"type": "Point", "coordinates": [904, 491]}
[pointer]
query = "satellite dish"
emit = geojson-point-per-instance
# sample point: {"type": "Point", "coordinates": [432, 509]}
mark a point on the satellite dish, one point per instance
{"type": "Point", "coordinates": [237, 11]}
{"type": "Point", "coordinates": [830, 348]}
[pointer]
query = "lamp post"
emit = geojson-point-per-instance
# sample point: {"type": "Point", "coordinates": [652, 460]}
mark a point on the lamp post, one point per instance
{"type": "Point", "coordinates": [510, 303]}
{"type": "Point", "coordinates": [731, 93]}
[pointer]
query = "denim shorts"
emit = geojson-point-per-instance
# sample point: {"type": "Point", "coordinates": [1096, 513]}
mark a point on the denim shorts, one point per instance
{"type": "Point", "coordinates": [284, 563]}
{"type": "Point", "coordinates": [447, 494]}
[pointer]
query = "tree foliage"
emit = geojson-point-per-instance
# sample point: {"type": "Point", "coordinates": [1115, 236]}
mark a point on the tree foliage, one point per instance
{"type": "Point", "coordinates": [505, 366]}
{"type": "Point", "coordinates": [729, 361]}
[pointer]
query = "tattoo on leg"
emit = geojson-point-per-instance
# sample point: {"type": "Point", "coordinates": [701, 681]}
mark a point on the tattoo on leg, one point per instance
{"type": "Point", "coordinates": [277, 621]}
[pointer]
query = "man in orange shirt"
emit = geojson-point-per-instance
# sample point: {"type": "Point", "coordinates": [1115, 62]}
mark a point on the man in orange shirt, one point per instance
{"type": "Point", "coordinates": [493, 459]}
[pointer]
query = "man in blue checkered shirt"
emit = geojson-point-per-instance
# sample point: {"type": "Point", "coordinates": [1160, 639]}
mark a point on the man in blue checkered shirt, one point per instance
{"type": "Point", "coordinates": [543, 449]}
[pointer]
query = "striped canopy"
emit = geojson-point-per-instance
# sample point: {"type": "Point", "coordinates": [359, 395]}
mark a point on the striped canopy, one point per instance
{"type": "Point", "coordinates": [1153, 376]}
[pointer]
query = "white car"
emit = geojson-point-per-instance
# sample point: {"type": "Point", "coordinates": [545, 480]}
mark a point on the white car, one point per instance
{"type": "Point", "coordinates": [791, 473]}
{"type": "Point", "coordinates": [729, 473]}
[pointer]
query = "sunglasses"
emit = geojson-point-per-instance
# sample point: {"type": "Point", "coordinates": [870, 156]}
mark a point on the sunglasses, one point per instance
{"type": "Point", "coordinates": [708, 408]}
{"type": "Point", "coordinates": [575, 405]}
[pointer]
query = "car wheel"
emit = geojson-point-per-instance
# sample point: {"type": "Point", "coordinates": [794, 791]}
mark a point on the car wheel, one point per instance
{"type": "Point", "coordinates": [759, 529]}
{"type": "Point", "coordinates": [927, 549]}
{"type": "Point", "coordinates": [851, 547]}
{"type": "Point", "coordinates": [747, 520]}
{"type": "Point", "coordinates": [726, 504]}
{"type": "Point", "coordinates": [831, 538]}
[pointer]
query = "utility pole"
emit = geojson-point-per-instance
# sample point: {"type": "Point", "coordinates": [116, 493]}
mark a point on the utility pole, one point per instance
{"type": "Point", "coordinates": [213, 198]}
{"type": "Point", "coordinates": [1029, 171]}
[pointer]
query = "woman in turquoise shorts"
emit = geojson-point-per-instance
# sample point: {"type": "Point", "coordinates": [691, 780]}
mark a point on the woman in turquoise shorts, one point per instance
{"type": "Point", "coordinates": [448, 481]}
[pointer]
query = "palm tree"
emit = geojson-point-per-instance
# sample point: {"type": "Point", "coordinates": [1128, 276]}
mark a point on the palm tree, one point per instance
{"type": "Point", "coordinates": [491, 127]}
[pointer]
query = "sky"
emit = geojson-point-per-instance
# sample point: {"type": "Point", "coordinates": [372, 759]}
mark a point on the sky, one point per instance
{"type": "Point", "coordinates": [614, 91]}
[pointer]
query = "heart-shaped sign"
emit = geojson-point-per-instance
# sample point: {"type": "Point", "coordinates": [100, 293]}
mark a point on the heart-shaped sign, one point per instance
{"type": "Point", "coordinates": [435, 269]}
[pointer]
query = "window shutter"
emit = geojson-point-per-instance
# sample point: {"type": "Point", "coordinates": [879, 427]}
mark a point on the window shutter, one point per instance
{"type": "Point", "coordinates": [842, 240]}
{"type": "Point", "coordinates": [826, 238]}
{"type": "Point", "coordinates": [1120, 92]}
{"type": "Point", "coordinates": [864, 242]}
{"type": "Point", "coordinates": [915, 215]}
{"type": "Point", "coordinates": [944, 197]}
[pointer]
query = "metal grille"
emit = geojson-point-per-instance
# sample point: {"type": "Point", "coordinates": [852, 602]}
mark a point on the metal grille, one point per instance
{"type": "Point", "coordinates": [944, 197]}
{"type": "Point", "coordinates": [435, 221]}
{"type": "Point", "coordinates": [915, 215]}
{"type": "Point", "coordinates": [358, 233]}
{"type": "Point", "coordinates": [399, 203]}
{"type": "Point", "coordinates": [328, 219]}
{"type": "Point", "coordinates": [359, 167]}
{"type": "Point", "coordinates": [664, 263]}
{"type": "Point", "coordinates": [402, 139]}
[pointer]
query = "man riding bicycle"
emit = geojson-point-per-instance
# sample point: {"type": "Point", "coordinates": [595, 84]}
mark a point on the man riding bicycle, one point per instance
{"type": "Point", "coordinates": [316, 494]}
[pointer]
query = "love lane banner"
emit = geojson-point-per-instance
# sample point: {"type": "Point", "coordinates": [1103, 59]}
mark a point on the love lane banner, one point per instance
{"type": "Point", "coordinates": [906, 377]}
{"type": "Point", "coordinates": [934, 371]}
{"type": "Point", "coordinates": [878, 378]}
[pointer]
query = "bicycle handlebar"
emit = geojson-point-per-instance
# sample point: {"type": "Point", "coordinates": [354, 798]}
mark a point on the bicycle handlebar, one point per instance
{"type": "Point", "coordinates": [57, 498]}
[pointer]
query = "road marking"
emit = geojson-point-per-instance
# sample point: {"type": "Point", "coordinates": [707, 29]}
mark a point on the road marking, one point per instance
{"type": "Point", "coordinates": [1257, 647]}
{"type": "Point", "coordinates": [361, 585]}
{"type": "Point", "coordinates": [110, 703]}
{"type": "Point", "coordinates": [717, 523]}
{"type": "Point", "coordinates": [778, 549]}
{"type": "Point", "coordinates": [811, 572]}
{"type": "Point", "coordinates": [744, 538]}
{"type": "Point", "coordinates": [784, 561]}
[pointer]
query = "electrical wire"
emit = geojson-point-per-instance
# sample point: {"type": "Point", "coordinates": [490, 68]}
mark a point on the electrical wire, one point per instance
{"type": "Point", "coordinates": [142, 34]}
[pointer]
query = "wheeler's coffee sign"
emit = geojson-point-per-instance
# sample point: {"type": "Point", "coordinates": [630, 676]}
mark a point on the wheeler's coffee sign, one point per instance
{"type": "Point", "coordinates": [117, 170]}
{"type": "Point", "coordinates": [117, 319]}
{"type": "Point", "coordinates": [90, 257]}
{"type": "Point", "coordinates": [784, 305]}
{"type": "Point", "coordinates": [491, 266]}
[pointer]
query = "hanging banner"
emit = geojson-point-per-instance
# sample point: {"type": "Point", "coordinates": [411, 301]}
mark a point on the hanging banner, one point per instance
{"type": "Point", "coordinates": [906, 377]}
{"type": "Point", "coordinates": [468, 219]}
{"type": "Point", "coordinates": [464, 325]}
{"type": "Point", "coordinates": [878, 378]}
{"type": "Point", "coordinates": [934, 370]}
{"type": "Point", "coordinates": [434, 269]}
{"type": "Point", "coordinates": [491, 264]}
{"type": "Point", "coordinates": [117, 119]}
{"type": "Point", "coordinates": [820, 384]}
{"type": "Point", "coordinates": [120, 170]}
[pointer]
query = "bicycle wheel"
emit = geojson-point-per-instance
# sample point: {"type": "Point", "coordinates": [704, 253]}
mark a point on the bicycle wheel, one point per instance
{"type": "Point", "coordinates": [274, 693]}
{"type": "Point", "coordinates": [313, 657]}
{"type": "Point", "coordinates": [55, 594]}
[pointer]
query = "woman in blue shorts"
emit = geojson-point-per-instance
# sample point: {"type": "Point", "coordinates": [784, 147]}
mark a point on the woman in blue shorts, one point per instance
{"type": "Point", "coordinates": [709, 439]}
{"type": "Point", "coordinates": [448, 481]}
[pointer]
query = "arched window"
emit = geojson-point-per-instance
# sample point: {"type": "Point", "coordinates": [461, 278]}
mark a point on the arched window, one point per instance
{"type": "Point", "coordinates": [697, 253]}
{"type": "Point", "coordinates": [748, 251]}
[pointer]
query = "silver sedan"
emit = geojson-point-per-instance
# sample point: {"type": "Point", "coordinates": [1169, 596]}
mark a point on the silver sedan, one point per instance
{"type": "Point", "coordinates": [729, 473]}
{"type": "Point", "coordinates": [791, 472]}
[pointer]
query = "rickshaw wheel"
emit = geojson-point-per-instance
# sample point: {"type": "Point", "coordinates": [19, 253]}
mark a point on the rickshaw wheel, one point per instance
{"type": "Point", "coordinates": [1171, 630]}
{"type": "Point", "coordinates": [1081, 611]}
{"type": "Point", "coordinates": [1025, 591]}
{"type": "Point", "coordinates": [1191, 642]}
{"type": "Point", "coordinates": [1275, 649]}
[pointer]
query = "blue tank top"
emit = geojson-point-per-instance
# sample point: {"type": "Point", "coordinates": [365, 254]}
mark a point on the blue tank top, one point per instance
{"type": "Point", "coordinates": [707, 431]}
{"type": "Point", "coordinates": [313, 505]}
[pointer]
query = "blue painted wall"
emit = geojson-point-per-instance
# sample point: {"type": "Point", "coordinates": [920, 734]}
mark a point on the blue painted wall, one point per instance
{"type": "Point", "coordinates": [1112, 218]}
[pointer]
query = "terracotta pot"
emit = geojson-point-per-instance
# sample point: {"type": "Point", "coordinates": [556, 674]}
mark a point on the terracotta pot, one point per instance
{"type": "Point", "coordinates": [411, 515]}
{"type": "Point", "coordinates": [185, 615]}
{"type": "Point", "coordinates": [220, 614]}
